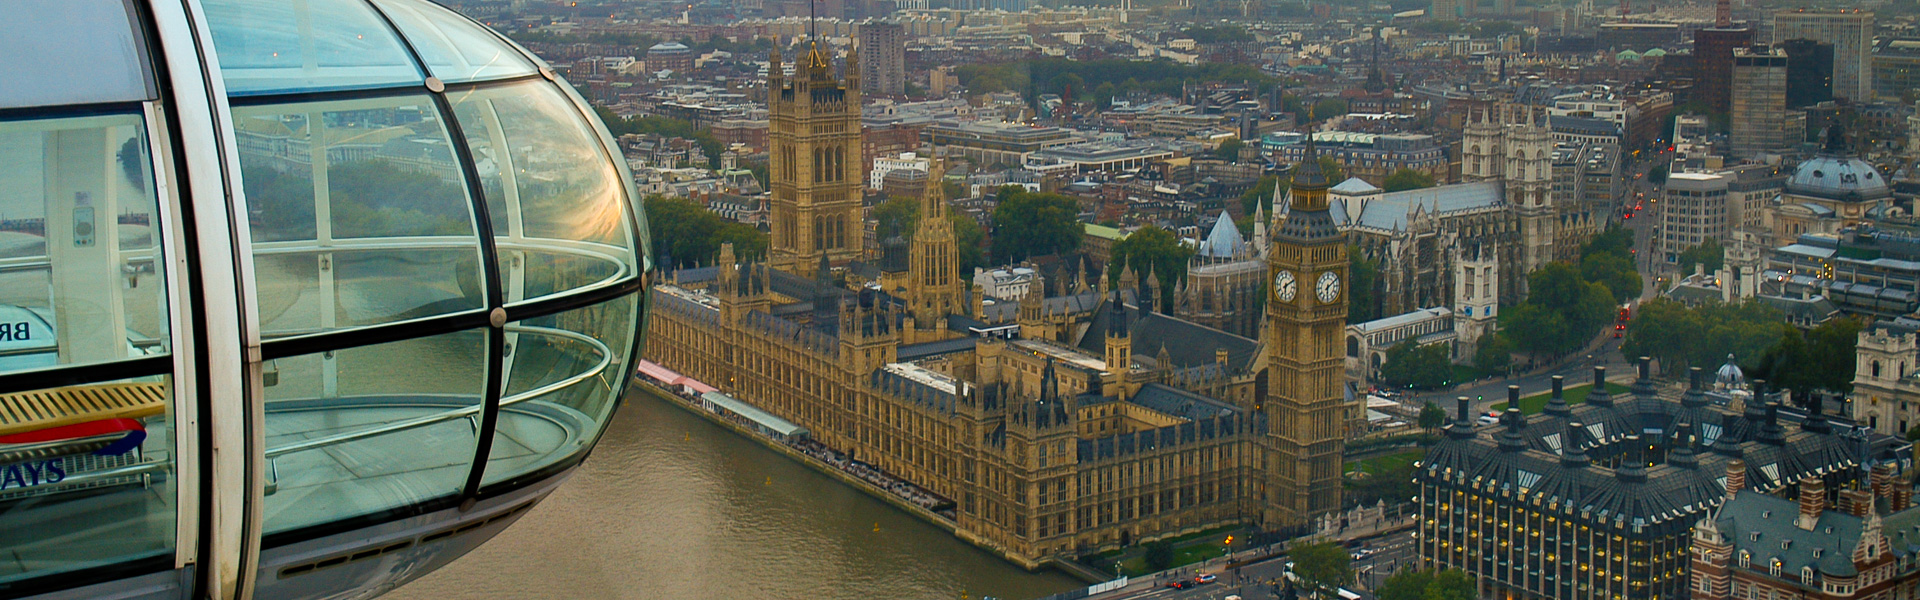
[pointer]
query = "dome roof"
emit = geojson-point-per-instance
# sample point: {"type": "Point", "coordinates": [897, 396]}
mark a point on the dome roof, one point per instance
{"type": "Point", "coordinates": [1838, 178]}
{"type": "Point", "coordinates": [1837, 175]}
{"type": "Point", "coordinates": [1656, 52]}
{"type": "Point", "coordinates": [1628, 55]}
{"type": "Point", "coordinates": [668, 47]}
{"type": "Point", "coordinates": [1730, 374]}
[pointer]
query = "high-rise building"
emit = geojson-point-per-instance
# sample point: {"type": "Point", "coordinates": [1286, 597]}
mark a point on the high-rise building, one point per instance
{"type": "Point", "coordinates": [1713, 58]}
{"type": "Point", "coordinates": [1809, 72]}
{"type": "Point", "coordinates": [883, 58]}
{"type": "Point", "coordinates": [1761, 121]}
{"type": "Point", "coordinates": [814, 128]}
{"type": "Point", "coordinates": [1694, 210]}
{"type": "Point", "coordinates": [1306, 324]}
{"type": "Point", "coordinates": [1713, 64]}
{"type": "Point", "coordinates": [1896, 69]}
{"type": "Point", "coordinates": [1851, 33]}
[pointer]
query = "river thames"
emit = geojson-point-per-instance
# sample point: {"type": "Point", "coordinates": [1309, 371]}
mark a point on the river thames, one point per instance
{"type": "Point", "coordinates": [674, 507]}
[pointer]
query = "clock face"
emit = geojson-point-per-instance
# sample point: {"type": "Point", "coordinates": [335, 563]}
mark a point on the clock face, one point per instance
{"type": "Point", "coordinates": [1328, 288]}
{"type": "Point", "coordinates": [1285, 286]}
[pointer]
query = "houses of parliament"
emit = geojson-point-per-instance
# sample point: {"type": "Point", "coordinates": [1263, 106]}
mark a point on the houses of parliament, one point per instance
{"type": "Point", "coordinates": [1057, 425]}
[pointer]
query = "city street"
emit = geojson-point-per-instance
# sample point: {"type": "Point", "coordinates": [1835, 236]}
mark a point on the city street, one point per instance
{"type": "Point", "coordinates": [1255, 582]}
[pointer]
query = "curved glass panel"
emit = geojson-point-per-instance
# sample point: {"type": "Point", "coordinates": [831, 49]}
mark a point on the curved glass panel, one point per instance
{"type": "Point", "coordinates": [455, 49]}
{"type": "Point", "coordinates": [86, 472]}
{"type": "Point", "coordinates": [358, 431]}
{"type": "Point", "coordinates": [283, 46]}
{"type": "Point", "coordinates": [563, 373]}
{"type": "Point", "coordinates": [558, 207]}
{"type": "Point", "coordinates": [360, 214]}
{"type": "Point", "coordinates": [46, 43]}
{"type": "Point", "coordinates": [620, 167]}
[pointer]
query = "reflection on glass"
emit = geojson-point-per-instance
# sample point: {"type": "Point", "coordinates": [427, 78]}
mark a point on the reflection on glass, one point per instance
{"type": "Point", "coordinates": [455, 49]}
{"type": "Point", "coordinates": [548, 181]}
{"type": "Point", "coordinates": [359, 212]}
{"type": "Point", "coordinates": [86, 475]}
{"type": "Point", "coordinates": [562, 373]}
{"type": "Point", "coordinates": [96, 37]}
{"type": "Point", "coordinates": [358, 431]}
{"type": "Point", "coordinates": [267, 46]}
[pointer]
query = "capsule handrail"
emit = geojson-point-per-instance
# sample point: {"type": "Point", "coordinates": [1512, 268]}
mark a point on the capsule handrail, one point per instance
{"type": "Point", "coordinates": [606, 360]}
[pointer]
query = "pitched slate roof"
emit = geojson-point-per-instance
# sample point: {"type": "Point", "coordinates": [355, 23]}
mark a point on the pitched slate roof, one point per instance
{"type": "Point", "coordinates": [1188, 344]}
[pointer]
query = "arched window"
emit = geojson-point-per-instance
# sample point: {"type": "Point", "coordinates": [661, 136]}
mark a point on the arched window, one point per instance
{"type": "Point", "coordinates": [1806, 575]}
{"type": "Point", "coordinates": [1773, 567]}
{"type": "Point", "coordinates": [1745, 558]}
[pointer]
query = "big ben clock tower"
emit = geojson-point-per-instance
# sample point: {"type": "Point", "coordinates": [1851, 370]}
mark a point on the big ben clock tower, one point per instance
{"type": "Point", "coordinates": [1306, 318]}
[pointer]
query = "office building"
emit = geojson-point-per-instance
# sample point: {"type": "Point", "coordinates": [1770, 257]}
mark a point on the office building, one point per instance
{"type": "Point", "coordinates": [1761, 121]}
{"type": "Point", "coordinates": [995, 143]}
{"type": "Point", "coordinates": [1809, 72]}
{"type": "Point", "coordinates": [218, 394]}
{"type": "Point", "coordinates": [1713, 64]}
{"type": "Point", "coordinates": [1896, 69]}
{"type": "Point", "coordinates": [883, 58]}
{"type": "Point", "coordinates": [1600, 499]}
{"type": "Point", "coordinates": [1694, 211]}
{"type": "Point", "coordinates": [1851, 33]}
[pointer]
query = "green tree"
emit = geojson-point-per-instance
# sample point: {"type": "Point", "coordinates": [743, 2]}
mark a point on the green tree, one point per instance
{"type": "Point", "coordinates": [1707, 253]}
{"type": "Point", "coordinates": [1657, 175]}
{"type": "Point", "coordinates": [953, 189]}
{"type": "Point", "coordinates": [1322, 567]}
{"type": "Point", "coordinates": [1230, 150]}
{"type": "Point", "coordinates": [1260, 196]}
{"type": "Point", "coordinates": [1614, 272]}
{"type": "Point", "coordinates": [1363, 281]}
{"type": "Point", "coordinates": [1028, 224]}
{"type": "Point", "coordinates": [1536, 329]}
{"type": "Point", "coordinates": [1577, 307]}
{"type": "Point", "coordinates": [1329, 108]}
{"type": "Point", "coordinates": [1413, 365]}
{"type": "Point", "coordinates": [1615, 240]}
{"type": "Point", "coordinates": [1159, 555]}
{"type": "Point", "coordinates": [1452, 584]}
{"type": "Point", "coordinates": [1407, 179]}
{"type": "Point", "coordinates": [1432, 417]}
{"type": "Point", "coordinates": [1156, 252]}
{"type": "Point", "coordinates": [1820, 358]}
{"type": "Point", "coordinates": [1103, 94]}
{"type": "Point", "coordinates": [1493, 353]}
{"type": "Point", "coordinates": [1408, 584]}
{"type": "Point", "coordinates": [688, 234]}
{"type": "Point", "coordinates": [1681, 336]}
{"type": "Point", "coordinates": [1913, 435]}
{"type": "Point", "coordinates": [970, 243]}
{"type": "Point", "coordinates": [896, 217]}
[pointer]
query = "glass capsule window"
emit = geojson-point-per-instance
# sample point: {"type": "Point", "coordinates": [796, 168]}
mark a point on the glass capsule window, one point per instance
{"type": "Point", "coordinates": [438, 255]}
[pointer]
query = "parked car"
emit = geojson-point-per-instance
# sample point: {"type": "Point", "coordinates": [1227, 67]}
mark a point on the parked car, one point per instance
{"type": "Point", "coordinates": [1204, 578]}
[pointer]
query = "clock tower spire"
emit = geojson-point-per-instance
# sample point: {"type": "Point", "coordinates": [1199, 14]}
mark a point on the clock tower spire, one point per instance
{"type": "Point", "coordinates": [1306, 320]}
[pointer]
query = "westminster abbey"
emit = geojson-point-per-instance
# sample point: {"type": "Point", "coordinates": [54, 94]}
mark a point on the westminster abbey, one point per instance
{"type": "Point", "coordinates": [1058, 425]}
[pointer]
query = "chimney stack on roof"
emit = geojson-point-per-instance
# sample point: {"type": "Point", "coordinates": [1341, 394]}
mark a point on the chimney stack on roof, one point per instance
{"type": "Point", "coordinates": [1736, 477]}
{"type": "Point", "coordinates": [1813, 501]}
